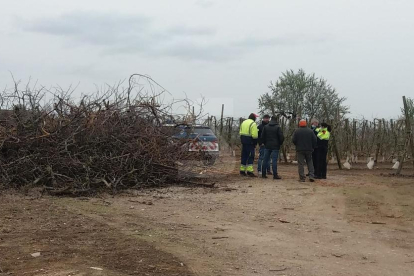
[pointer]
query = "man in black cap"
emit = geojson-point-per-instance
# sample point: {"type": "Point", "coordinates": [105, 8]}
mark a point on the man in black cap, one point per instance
{"type": "Point", "coordinates": [272, 138]}
{"type": "Point", "coordinates": [265, 121]}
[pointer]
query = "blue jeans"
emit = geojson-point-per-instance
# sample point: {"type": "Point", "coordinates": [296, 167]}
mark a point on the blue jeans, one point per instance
{"type": "Point", "coordinates": [261, 158]}
{"type": "Point", "coordinates": [266, 161]}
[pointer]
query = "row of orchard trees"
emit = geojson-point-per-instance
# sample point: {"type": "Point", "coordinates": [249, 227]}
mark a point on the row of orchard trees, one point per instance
{"type": "Point", "coordinates": [302, 96]}
{"type": "Point", "coordinates": [381, 139]}
{"type": "Point", "coordinates": [297, 95]}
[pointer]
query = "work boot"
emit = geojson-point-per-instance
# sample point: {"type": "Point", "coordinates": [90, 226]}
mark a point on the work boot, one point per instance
{"type": "Point", "coordinates": [269, 173]}
{"type": "Point", "coordinates": [242, 173]}
{"type": "Point", "coordinates": [251, 174]}
{"type": "Point", "coordinates": [312, 179]}
{"type": "Point", "coordinates": [264, 176]}
{"type": "Point", "coordinates": [302, 180]}
{"type": "Point", "coordinates": [276, 176]}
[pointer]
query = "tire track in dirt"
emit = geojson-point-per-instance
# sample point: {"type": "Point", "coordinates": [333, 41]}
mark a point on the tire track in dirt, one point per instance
{"type": "Point", "coordinates": [71, 244]}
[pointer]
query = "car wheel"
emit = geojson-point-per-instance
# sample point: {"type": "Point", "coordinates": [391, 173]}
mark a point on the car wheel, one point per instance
{"type": "Point", "coordinates": [209, 160]}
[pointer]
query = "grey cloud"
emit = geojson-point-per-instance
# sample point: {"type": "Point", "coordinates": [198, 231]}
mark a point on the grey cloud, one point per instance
{"type": "Point", "coordinates": [290, 40]}
{"type": "Point", "coordinates": [181, 50]}
{"type": "Point", "coordinates": [255, 42]}
{"type": "Point", "coordinates": [128, 34]}
{"type": "Point", "coordinates": [205, 3]}
{"type": "Point", "coordinates": [101, 29]}
{"type": "Point", "coordinates": [118, 33]}
{"type": "Point", "coordinates": [85, 23]}
{"type": "Point", "coordinates": [202, 52]}
{"type": "Point", "coordinates": [191, 31]}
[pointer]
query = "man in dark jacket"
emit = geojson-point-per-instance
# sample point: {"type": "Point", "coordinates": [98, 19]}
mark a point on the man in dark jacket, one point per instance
{"type": "Point", "coordinates": [305, 141]}
{"type": "Point", "coordinates": [272, 138]}
{"type": "Point", "coordinates": [265, 121]}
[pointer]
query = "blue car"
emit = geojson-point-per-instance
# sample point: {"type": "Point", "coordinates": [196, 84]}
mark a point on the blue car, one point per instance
{"type": "Point", "coordinates": [199, 139]}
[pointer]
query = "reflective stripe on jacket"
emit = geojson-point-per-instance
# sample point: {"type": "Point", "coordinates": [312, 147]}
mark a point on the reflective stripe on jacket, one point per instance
{"type": "Point", "coordinates": [248, 132]}
{"type": "Point", "coordinates": [323, 133]}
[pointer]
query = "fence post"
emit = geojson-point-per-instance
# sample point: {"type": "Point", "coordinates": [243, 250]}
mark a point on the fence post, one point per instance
{"type": "Point", "coordinates": [354, 138]}
{"type": "Point", "coordinates": [364, 125]}
{"type": "Point", "coordinates": [194, 118]}
{"type": "Point", "coordinates": [221, 120]}
{"type": "Point", "coordinates": [408, 128]}
{"type": "Point", "coordinates": [229, 134]}
{"type": "Point", "coordinates": [348, 144]}
{"type": "Point", "coordinates": [379, 140]}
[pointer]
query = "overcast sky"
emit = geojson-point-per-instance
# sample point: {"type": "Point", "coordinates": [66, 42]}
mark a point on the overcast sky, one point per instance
{"type": "Point", "coordinates": [227, 51]}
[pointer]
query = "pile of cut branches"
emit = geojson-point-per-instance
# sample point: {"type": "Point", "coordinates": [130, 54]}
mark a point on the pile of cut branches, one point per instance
{"type": "Point", "coordinates": [103, 141]}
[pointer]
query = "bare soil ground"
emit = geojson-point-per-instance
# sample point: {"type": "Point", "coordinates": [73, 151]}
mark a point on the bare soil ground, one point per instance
{"type": "Point", "coordinates": [356, 222]}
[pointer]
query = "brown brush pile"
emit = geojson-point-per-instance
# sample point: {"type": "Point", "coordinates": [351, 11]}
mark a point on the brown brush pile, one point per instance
{"type": "Point", "coordinates": [109, 142]}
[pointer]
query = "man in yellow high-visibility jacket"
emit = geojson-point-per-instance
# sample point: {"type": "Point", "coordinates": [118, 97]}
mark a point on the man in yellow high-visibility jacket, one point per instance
{"type": "Point", "coordinates": [248, 136]}
{"type": "Point", "coordinates": [323, 135]}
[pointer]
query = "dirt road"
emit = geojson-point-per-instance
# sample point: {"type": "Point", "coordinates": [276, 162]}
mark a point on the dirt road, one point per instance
{"type": "Point", "coordinates": [355, 223]}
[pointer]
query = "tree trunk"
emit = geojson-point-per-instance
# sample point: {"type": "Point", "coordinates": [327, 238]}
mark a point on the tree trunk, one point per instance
{"type": "Point", "coordinates": [378, 141]}
{"type": "Point", "coordinates": [364, 124]}
{"type": "Point", "coordinates": [283, 125]}
{"type": "Point", "coordinates": [354, 138]}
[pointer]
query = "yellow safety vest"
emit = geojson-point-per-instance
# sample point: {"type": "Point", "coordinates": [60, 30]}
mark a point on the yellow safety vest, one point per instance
{"type": "Point", "coordinates": [249, 128]}
{"type": "Point", "coordinates": [323, 133]}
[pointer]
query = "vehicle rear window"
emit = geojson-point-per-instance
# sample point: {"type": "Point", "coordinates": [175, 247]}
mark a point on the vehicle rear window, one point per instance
{"type": "Point", "coordinates": [203, 131]}
{"type": "Point", "coordinates": [191, 133]}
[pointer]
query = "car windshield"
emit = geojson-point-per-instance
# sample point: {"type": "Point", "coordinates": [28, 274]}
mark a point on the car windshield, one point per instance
{"type": "Point", "coordinates": [202, 131]}
{"type": "Point", "coordinates": [192, 133]}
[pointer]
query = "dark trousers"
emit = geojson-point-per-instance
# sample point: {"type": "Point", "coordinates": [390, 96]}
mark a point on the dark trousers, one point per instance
{"type": "Point", "coordinates": [247, 157]}
{"type": "Point", "coordinates": [266, 161]}
{"type": "Point", "coordinates": [322, 164]}
{"type": "Point", "coordinates": [305, 157]}
{"type": "Point", "coordinates": [315, 160]}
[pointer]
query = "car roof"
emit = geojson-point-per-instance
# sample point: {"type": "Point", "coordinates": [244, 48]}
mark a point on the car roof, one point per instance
{"type": "Point", "coordinates": [193, 126]}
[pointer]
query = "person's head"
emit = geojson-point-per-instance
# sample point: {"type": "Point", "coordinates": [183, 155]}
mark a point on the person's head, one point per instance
{"type": "Point", "coordinates": [328, 127]}
{"type": "Point", "coordinates": [314, 123]}
{"type": "Point", "coordinates": [266, 118]}
{"type": "Point", "coordinates": [303, 123]}
{"type": "Point", "coordinates": [275, 119]}
{"type": "Point", "coordinates": [252, 116]}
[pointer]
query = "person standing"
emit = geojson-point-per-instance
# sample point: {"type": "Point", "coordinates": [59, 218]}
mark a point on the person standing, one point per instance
{"type": "Point", "coordinates": [314, 126]}
{"type": "Point", "coordinates": [305, 141]}
{"type": "Point", "coordinates": [265, 121]}
{"type": "Point", "coordinates": [272, 138]}
{"type": "Point", "coordinates": [323, 134]}
{"type": "Point", "coordinates": [248, 136]}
